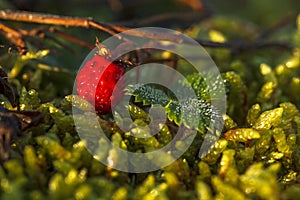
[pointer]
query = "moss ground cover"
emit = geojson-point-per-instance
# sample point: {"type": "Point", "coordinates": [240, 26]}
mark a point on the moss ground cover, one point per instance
{"type": "Point", "coordinates": [256, 157]}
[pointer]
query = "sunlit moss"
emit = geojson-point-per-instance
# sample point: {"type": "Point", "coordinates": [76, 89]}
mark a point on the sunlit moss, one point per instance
{"type": "Point", "coordinates": [216, 36]}
{"type": "Point", "coordinates": [226, 191]}
{"type": "Point", "coordinates": [268, 119]}
{"type": "Point", "coordinates": [120, 194]}
{"type": "Point", "coordinates": [215, 151]}
{"type": "Point", "coordinates": [261, 182]}
{"type": "Point", "coordinates": [255, 156]}
{"type": "Point", "coordinates": [241, 135]}
{"type": "Point", "coordinates": [253, 114]}
{"type": "Point", "coordinates": [229, 123]}
{"type": "Point", "coordinates": [29, 100]}
{"type": "Point", "coordinates": [19, 64]}
{"type": "Point", "coordinates": [203, 191]}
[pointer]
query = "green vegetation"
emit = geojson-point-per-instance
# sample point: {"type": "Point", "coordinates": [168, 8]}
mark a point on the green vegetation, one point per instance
{"type": "Point", "coordinates": [257, 155]}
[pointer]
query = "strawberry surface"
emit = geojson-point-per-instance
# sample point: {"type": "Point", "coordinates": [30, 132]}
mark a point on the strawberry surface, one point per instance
{"type": "Point", "coordinates": [96, 81]}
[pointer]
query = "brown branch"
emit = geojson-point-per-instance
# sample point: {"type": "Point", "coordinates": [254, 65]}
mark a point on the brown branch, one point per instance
{"type": "Point", "coordinates": [278, 25]}
{"type": "Point", "coordinates": [113, 29]}
{"type": "Point", "coordinates": [21, 37]}
{"type": "Point", "coordinates": [186, 16]}
{"type": "Point", "coordinates": [54, 20]}
{"type": "Point", "coordinates": [242, 46]}
{"type": "Point", "coordinates": [41, 33]}
{"type": "Point", "coordinates": [71, 38]}
{"type": "Point", "coordinates": [79, 22]}
{"type": "Point", "coordinates": [15, 37]}
{"type": "Point", "coordinates": [194, 4]}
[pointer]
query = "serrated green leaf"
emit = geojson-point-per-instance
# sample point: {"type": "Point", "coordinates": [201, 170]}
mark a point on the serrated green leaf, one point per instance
{"type": "Point", "coordinates": [147, 94]}
{"type": "Point", "coordinates": [197, 82]}
{"type": "Point", "coordinates": [193, 113]}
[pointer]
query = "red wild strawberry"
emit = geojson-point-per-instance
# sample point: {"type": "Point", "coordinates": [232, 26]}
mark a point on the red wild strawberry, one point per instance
{"type": "Point", "coordinates": [96, 81]}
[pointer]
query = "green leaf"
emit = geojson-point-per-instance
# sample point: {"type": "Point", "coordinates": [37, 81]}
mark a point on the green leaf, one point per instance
{"type": "Point", "coordinates": [193, 113]}
{"type": "Point", "coordinates": [198, 83]}
{"type": "Point", "coordinates": [147, 94]}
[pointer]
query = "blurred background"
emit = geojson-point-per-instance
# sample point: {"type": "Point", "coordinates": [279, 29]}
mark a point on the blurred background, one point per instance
{"type": "Point", "coordinates": [236, 19]}
{"type": "Point", "coordinates": [260, 12]}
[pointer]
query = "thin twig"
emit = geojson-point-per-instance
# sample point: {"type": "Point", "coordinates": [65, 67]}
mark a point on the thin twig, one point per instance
{"type": "Point", "coordinates": [187, 16]}
{"type": "Point", "coordinates": [41, 33]}
{"type": "Point", "coordinates": [280, 24]}
{"type": "Point", "coordinates": [71, 38]}
{"type": "Point", "coordinates": [113, 29]}
{"type": "Point", "coordinates": [14, 36]}
{"type": "Point", "coordinates": [42, 18]}
{"type": "Point", "coordinates": [242, 46]}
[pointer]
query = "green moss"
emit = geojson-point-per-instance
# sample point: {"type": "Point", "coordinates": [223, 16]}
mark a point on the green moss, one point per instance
{"type": "Point", "coordinates": [257, 155]}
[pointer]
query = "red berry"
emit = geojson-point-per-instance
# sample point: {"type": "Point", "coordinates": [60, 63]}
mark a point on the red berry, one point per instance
{"type": "Point", "coordinates": [96, 81]}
